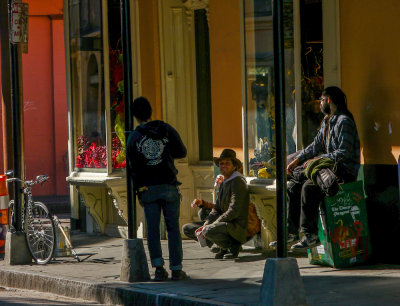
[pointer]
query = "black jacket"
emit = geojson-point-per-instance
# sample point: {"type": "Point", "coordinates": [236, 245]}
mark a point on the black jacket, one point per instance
{"type": "Point", "coordinates": [151, 150]}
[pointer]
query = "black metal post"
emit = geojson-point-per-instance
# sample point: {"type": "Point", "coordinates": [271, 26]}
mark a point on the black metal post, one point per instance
{"type": "Point", "coordinates": [128, 96]}
{"type": "Point", "coordinates": [279, 77]}
{"type": "Point", "coordinates": [16, 125]}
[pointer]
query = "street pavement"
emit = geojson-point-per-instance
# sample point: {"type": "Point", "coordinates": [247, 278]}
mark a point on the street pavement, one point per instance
{"type": "Point", "coordinates": [212, 282]}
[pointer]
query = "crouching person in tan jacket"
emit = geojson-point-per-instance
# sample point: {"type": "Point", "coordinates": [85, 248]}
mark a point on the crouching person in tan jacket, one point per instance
{"type": "Point", "coordinates": [226, 225]}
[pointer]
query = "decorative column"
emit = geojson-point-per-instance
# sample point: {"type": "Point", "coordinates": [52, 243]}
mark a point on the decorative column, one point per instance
{"type": "Point", "coordinates": [193, 5]}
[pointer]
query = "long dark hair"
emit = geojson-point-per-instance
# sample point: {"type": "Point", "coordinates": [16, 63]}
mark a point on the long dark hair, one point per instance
{"type": "Point", "coordinates": [339, 99]}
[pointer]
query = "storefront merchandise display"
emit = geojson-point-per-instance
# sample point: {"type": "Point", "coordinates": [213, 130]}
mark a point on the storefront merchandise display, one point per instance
{"type": "Point", "coordinates": [117, 107]}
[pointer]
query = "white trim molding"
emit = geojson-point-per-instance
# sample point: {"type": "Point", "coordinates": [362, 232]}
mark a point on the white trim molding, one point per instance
{"type": "Point", "coordinates": [195, 4]}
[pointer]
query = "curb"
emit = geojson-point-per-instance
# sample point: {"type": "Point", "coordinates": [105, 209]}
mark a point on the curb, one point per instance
{"type": "Point", "coordinates": [112, 294]}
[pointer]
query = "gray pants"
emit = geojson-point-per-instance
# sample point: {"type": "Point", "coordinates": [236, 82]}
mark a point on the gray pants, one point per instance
{"type": "Point", "coordinates": [218, 234]}
{"type": "Point", "coordinates": [189, 229]}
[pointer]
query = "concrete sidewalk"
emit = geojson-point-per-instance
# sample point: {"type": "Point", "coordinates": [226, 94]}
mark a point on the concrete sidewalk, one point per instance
{"type": "Point", "coordinates": [212, 282]}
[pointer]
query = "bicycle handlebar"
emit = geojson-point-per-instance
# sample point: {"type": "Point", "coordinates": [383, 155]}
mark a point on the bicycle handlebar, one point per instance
{"type": "Point", "coordinates": [39, 179]}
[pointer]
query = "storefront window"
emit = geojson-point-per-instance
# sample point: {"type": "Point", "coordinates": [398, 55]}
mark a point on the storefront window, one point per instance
{"type": "Point", "coordinates": [88, 84]}
{"type": "Point", "coordinates": [118, 155]}
{"type": "Point", "coordinates": [260, 101]}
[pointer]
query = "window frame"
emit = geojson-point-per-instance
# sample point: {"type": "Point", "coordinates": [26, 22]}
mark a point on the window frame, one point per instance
{"type": "Point", "coordinates": [106, 89]}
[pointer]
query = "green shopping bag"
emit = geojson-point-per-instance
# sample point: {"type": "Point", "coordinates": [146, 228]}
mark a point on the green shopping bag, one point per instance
{"type": "Point", "coordinates": [343, 229]}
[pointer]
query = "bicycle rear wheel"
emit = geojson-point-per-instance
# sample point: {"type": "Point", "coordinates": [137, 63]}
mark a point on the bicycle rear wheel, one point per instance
{"type": "Point", "coordinates": [40, 232]}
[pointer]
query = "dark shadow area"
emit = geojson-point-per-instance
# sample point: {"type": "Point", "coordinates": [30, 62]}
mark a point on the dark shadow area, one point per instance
{"type": "Point", "coordinates": [82, 240]}
{"type": "Point", "coordinates": [382, 203]}
{"type": "Point", "coordinates": [379, 132]}
{"type": "Point", "coordinates": [59, 205]}
{"type": "Point", "coordinates": [351, 290]}
{"type": "Point", "coordinates": [320, 290]}
{"type": "Point", "coordinates": [82, 257]}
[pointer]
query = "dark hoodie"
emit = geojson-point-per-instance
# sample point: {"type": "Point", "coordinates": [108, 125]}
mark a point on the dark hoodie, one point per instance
{"type": "Point", "coordinates": [151, 150]}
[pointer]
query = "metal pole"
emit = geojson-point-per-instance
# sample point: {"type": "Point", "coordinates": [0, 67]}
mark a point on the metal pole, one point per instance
{"type": "Point", "coordinates": [128, 97]}
{"type": "Point", "coordinates": [16, 125]}
{"type": "Point", "coordinates": [279, 76]}
{"type": "Point", "coordinates": [6, 88]}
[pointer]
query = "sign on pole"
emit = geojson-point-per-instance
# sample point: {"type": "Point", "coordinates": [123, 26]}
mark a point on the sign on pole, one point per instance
{"type": "Point", "coordinates": [19, 24]}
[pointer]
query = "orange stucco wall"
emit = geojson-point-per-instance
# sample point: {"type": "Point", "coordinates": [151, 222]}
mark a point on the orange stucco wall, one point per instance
{"type": "Point", "coordinates": [44, 96]}
{"type": "Point", "coordinates": [60, 107]}
{"type": "Point", "coordinates": [225, 60]}
{"type": "Point", "coordinates": [45, 7]}
{"type": "Point", "coordinates": [370, 52]}
{"type": "Point", "coordinates": [150, 55]}
{"type": "Point", "coordinates": [38, 100]}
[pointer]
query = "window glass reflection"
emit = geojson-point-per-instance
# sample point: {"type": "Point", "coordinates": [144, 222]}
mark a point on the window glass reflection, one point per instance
{"type": "Point", "coordinates": [87, 83]}
{"type": "Point", "coordinates": [260, 100]}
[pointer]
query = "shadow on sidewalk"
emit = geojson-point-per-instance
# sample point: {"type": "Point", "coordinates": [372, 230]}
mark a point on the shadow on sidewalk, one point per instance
{"type": "Point", "coordinates": [351, 290]}
{"type": "Point", "coordinates": [82, 240]}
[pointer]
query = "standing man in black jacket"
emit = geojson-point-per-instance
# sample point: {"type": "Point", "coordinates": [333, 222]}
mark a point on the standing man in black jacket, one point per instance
{"type": "Point", "coordinates": [151, 150]}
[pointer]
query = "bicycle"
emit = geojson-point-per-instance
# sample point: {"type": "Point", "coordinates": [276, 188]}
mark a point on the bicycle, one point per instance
{"type": "Point", "coordinates": [38, 224]}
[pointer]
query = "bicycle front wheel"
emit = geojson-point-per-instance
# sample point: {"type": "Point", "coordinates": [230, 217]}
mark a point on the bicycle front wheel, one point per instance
{"type": "Point", "coordinates": [40, 232]}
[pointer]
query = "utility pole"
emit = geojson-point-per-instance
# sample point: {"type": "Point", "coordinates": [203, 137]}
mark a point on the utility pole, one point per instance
{"type": "Point", "coordinates": [16, 247]}
{"type": "Point", "coordinates": [281, 272]}
{"type": "Point", "coordinates": [134, 262]}
{"type": "Point", "coordinates": [5, 97]}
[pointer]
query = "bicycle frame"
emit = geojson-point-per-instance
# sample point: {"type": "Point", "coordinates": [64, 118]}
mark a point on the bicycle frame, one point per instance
{"type": "Point", "coordinates": [26, 190]}
{"type": "Point", "coordinates": [39, 238]}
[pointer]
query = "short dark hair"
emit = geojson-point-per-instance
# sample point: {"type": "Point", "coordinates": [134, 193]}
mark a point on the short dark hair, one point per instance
{"type": "Point", "coordinates": [141, 109]}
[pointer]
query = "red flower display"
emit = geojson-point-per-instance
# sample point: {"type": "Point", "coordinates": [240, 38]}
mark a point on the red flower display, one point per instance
{"type": "Point", "coordinates": [94, 155]}
{"type": "Point", "coordinates": [91, 155]}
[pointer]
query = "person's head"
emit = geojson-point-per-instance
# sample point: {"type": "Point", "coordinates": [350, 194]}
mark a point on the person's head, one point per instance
{"type": "Point", "coordinates": [141, 109]}
{"type": "Point", "coordinates": [334, 95]}
{"type": "Point", "coordinates": [227, 163]}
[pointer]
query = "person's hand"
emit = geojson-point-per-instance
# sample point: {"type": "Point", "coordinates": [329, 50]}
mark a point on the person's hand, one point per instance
{"type": "Point", "coordinates": [205, 229]}
{"type": "Point", "coordinates": [197, 203]}
{"type": "Point", "coordinates": [218, 180]}
{"type": "Point", "coordinates": [291, 166]}
{"type": "Point", "coordinates": [200, 229]}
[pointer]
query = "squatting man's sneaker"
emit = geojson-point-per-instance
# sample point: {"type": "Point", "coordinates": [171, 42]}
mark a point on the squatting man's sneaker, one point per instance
{"type": "Point", "coordinates": [221, 254]}
{"type": "Point", "coordinates": [215, 249]}
{"type": "Point", "coordinates": [307, 242]}
{"type": "Point", "coordinates": [290, 240]}
{"type": "Point", "coordinates": [233, 251]}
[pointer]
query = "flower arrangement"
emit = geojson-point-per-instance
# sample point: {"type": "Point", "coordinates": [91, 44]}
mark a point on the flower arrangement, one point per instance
{"type": "Point", "coordinates": [117, 152]}
{"type": "Point", "coordinates": [92, 155]}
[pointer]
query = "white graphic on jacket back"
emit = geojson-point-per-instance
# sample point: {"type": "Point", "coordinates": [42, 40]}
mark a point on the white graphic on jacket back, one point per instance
{"type": "Point", "coordinates": [152, 149]}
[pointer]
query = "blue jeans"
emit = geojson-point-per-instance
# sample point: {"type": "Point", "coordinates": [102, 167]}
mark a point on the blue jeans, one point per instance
{"type": "Point", "coordinates": [167, 198]}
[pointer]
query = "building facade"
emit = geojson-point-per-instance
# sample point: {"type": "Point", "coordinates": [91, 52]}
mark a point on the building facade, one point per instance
{"type": "Point", "coordinates": [207, 68]}
{"type": "Point", "coordinates": [45, 141]}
